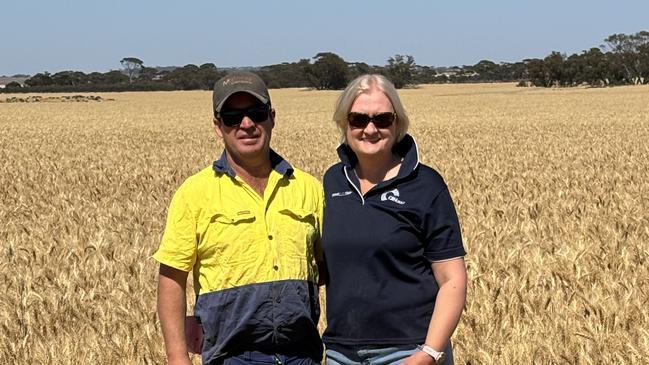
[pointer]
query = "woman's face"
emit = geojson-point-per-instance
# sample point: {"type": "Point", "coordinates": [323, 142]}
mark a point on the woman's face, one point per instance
{"type": "Point", "coordinates": [372, 141]}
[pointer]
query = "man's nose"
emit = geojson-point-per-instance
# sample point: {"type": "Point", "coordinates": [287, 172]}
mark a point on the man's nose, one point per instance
{"type": "Point", "coordinates": [246, 122]}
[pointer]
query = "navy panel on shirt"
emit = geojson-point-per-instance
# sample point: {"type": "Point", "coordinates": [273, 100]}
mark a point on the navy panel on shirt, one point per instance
{"type": "Point", "coordinates": [378, 248]}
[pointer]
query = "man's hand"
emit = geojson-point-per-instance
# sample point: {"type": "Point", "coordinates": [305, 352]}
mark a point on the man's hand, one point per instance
{"type": "Point", "coordinates": [419, 358]}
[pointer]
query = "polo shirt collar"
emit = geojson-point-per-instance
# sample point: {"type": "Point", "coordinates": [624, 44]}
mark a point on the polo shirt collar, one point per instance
{"type": "Point", "coordinates": [406, 148]}
{"type": "Point", "coordinates": [277, 162]}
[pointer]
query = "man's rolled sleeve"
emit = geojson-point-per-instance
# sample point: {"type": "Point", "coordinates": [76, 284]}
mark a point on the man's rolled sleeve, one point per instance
{"type": "Point", "coordinates": [178, 247]}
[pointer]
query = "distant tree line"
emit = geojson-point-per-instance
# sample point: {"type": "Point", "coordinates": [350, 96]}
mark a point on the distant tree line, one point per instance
{"type": "Point", "coordinates": [623, 59]}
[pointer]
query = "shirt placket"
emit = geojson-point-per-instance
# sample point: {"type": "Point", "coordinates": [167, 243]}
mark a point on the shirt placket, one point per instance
{"type": "Point", "coordinates": [271, 227]}
{"type": "Point", "coordinates": [261, 210]}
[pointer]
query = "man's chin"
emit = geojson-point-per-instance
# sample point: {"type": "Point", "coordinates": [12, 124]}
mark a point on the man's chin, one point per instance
{"type": "Point", "coordinates": [250, 150]}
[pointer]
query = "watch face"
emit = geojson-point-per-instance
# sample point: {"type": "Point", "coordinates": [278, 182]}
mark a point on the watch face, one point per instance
{"type": "Point", "coordinates": [442, 357]}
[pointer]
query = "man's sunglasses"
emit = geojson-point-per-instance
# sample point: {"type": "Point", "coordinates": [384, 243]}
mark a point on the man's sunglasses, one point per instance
{"type": "Point", "coordinates": [233, 117]}
{"type": "Point", "coordinates": [380, 120]}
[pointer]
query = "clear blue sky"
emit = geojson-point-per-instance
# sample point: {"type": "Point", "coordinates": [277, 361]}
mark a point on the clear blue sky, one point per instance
{"type": "Point", "coordinates": [90, 35]}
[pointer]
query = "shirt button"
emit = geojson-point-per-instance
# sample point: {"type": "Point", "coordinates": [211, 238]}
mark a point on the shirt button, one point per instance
{"type": "Point", "coordinates": [278, 300]}
{"type": "Point", "coordinates": [270, 236]}
{"type": "Point", "coordinates": [275, 267]}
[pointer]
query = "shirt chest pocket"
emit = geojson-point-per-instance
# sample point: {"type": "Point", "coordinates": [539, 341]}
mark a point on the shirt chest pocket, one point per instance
{"type": "Point", "coordinates": [296, 232]}
{"type": "Point", "coordinates": [231, 237]}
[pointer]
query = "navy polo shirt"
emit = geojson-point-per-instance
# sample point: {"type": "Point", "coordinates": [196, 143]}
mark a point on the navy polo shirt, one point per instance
{"type": "Point", "coordinates": [378, 250]}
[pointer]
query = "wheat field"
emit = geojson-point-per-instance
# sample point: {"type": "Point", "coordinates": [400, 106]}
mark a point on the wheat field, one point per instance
{"type": "Point", "coordinates": [551, 186]}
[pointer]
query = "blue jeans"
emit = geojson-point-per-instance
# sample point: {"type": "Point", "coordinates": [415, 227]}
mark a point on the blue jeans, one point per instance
{"type": "Point", "coordinates": [260, 358]}
{"type": "Point", "coordinates": [382, 356]}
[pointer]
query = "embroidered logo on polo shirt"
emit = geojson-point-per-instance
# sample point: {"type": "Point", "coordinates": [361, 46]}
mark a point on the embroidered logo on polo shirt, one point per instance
{"type": "Point", "coordinates": [393, 196]}
{"type": "Point", "coordinates": [341, 193]}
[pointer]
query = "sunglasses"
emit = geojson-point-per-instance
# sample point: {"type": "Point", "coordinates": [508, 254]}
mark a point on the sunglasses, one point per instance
{"type": "Point", "coordinates": [233, 117]}
{"type": "Point", "coordinates": [380, 120]}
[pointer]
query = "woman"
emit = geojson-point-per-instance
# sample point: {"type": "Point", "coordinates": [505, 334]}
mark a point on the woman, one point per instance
{"type": "Point", "coordinates": [396, 282]}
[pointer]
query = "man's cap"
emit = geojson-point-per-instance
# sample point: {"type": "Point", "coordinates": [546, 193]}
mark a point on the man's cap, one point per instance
{"type": "Point", "coordinates": [239, 81]}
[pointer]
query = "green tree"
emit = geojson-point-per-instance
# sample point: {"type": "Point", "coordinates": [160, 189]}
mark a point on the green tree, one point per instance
{"type": "Point", "coordinates": [95, 78]}
{"type": "Point", "coordinates": [328, 72]}
{"type": "Point", "coordinates": [592, 67]}
{"type": "Point", "coordinates": [40, 79]}
{"type": "Point", "coordinates": [554, 64]}
{"type": "Point", "coordinates": [361, 68]}
{"type": "Point", "coordinates": [643, 54]}
{"type": "Point", "coordinates": [400, 70]}
{"type": "Point", "coordinates": [629, 51]}
{"type": "Point", "coordinates": [486, 70]}
{"type": "Point", "coordinates": [512, 71]}
{"type": "Point", "coordinates": [147, 74]}
{"type": "Point", "coordinates": [425, 75]}
{"type": "Point", "coordinates": [207, 75]}
{"type": "Point", "coordinates": [13, 85]}
{"type": "Point", "coordinates": [286, 74]}
{"type": "Point", "coordinates": [69, 78]}
{"type": "Point", "coordinates": [132, 66]}
{"type": "Point", "coordinates": [114, 77]}
{"type": "Point", "coordinates": [186, 78]}
{"type": "Point", "coordinates": [536, 71]}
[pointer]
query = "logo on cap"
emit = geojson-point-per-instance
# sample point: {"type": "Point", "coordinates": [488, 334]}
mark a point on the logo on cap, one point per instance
{"type": "Point", "coordinates": [236, 80]}
{"type": "Point", "coordinates": [239, 81]}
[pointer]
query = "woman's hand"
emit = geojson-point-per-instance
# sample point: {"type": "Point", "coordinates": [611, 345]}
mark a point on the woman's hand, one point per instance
{"type": "Point", "coordinates": [419, 358]}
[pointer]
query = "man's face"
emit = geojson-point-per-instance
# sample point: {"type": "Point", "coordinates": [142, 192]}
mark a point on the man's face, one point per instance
{"type": "Point", "coordinates": [249, 141]}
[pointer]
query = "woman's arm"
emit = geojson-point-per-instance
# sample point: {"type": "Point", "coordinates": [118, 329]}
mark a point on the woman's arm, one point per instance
{"type": "Point", "coordinates": [452, 280]}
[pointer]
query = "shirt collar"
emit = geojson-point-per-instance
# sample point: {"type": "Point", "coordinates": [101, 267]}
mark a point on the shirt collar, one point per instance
{"type": "Point", "coordinates": [277, 162]}
{"type": "Point", "coordinates": [406, 148]}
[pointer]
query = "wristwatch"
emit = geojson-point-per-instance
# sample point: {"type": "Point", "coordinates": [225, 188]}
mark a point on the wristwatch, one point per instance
{"type": "Point", "coordinates": [438, 356]}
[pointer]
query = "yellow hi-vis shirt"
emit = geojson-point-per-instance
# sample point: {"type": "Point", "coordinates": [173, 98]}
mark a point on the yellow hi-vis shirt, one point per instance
{"type": "Point", "coordinates": [253, 258]}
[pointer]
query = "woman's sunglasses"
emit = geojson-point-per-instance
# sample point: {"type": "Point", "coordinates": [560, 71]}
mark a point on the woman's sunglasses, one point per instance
{"type": "Point", "coordinates": [380, 120]}
{"type": "Point", "coordinates": [233, 117]}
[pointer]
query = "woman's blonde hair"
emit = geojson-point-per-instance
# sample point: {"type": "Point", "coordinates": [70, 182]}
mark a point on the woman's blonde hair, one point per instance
{"type": "Point", "coordinates": [365, 83]}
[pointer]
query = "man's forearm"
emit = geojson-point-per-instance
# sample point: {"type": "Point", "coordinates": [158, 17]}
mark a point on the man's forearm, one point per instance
{"type": "Point", "coordinates": [171, 311]}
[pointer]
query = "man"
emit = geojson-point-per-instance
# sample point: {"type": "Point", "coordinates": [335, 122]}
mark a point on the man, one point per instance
{"type": "Point", "coordinates": [248, 228]}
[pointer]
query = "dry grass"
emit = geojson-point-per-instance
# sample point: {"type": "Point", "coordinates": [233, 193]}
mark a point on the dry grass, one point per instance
{"type": "Point", "coordinates": [552, 188]}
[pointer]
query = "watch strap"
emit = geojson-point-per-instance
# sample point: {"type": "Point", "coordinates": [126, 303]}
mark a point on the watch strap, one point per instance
{"type": "Point", "coordinates": [436, 355]}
